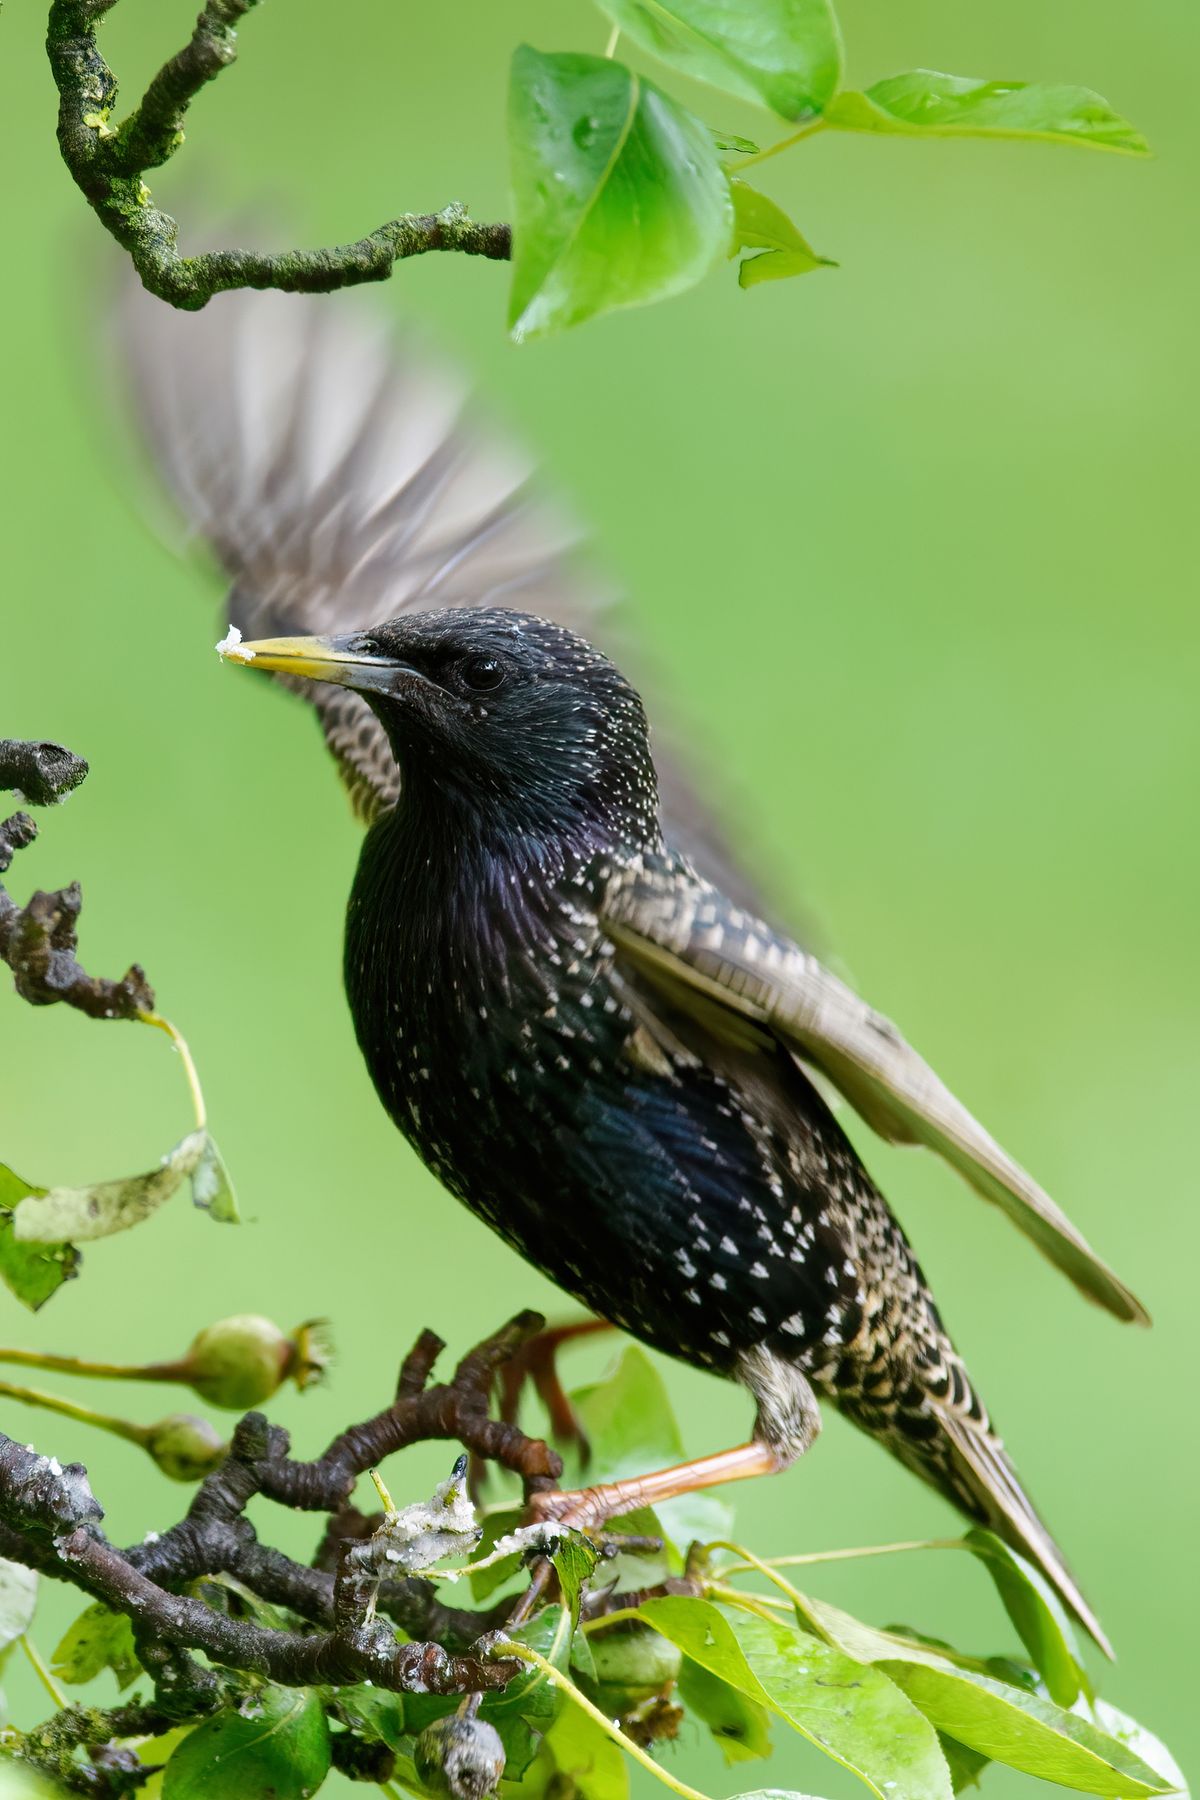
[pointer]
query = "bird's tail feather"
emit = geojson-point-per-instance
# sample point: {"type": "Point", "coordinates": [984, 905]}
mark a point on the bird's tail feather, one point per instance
{"type": "Point", "coordinates": [981, 1468]}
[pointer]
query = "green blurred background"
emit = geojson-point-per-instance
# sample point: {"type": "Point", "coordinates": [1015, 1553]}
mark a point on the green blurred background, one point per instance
{"type": "Point", "coordinates": [913, 543]}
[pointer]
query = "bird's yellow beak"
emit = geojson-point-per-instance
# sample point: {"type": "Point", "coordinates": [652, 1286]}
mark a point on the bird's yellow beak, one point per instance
{"type": "Point", "coordinates": [341, 660]}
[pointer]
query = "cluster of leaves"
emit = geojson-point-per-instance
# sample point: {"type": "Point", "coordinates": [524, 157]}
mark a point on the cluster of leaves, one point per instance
{"type": "Point", "coordinates": [622, 195]}
{"type": "Point", "coordinates": [633, 1646]}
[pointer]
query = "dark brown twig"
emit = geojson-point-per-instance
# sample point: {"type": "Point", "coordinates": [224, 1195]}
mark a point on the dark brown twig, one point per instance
{"type": "Point", "coordinates": [38, 941]}
{"type": "Point", "coordinates": [336, 1633]}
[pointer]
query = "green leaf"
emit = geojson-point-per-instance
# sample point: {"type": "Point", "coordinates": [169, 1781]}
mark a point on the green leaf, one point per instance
{"type": "Point", "coordinates": [1143, 1743]}
{"type": "Point", "coordinates": [1003, 1722]}
{"type": "Point", "coordinates": [847, 1709]}
{"type": "Point", "coordinates": [1036, 1612]}
{"type": "Point", "coordinates": [18, 1597]}
{"type": "Point", "coordinates": [620, 197]}
{"type": "Point", "coordinates": [758, 224]}
{"type": "Point", "coordinates": [581, 1661]}
{"type": "Point", "coordinates": [785, 54]}
{"type": "Point", "coordinates": [965, 1765]}
{"type": "Point", "coordinates": [574, 1560]}
{"type": "Point", "coordinates": [31, 1271]}
{"type": "Point", "coordinates": [740, 1726]}
{"type": "Point", "coordinates": [19, 1782]}
{"type": "Point", "coordinates": [927, 104]}
{"type": "Point", "coordinates": [496, 1524]}
{"type": "Point", "coordinates": [587, 1756]}
{"type": "Point", "coordinates": [373, 1713]}
{"type": "Point", "coordinates": [275, 1748]}
{"type": "Point", "coordinates": [212, 1189]}
{"type": "Point", "coordinates": [530, 1695]}
{"type": "Point", "coordinates": [729, 140]}
{"type": "Point", "coordinates": [98, 1640]}
{"type": "Point", "coordinates": [59, 1215]}
{"type": "Point", "coordinates": [629, 1424]}
{"type": "Point", "coordinates": [1027, 1732]}
{"type": "Point", "coordinates": [521, 1744]}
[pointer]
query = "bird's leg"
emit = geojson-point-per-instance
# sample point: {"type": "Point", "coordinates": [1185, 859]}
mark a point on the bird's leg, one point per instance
{"type": "Point", "coordinates": [787, 1420]}
{"type": "Point", "coordinates": [589, 1507]}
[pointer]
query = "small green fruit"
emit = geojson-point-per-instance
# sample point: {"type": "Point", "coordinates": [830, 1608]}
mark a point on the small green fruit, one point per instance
{"type": "Point", "coordinates": [184, 1447]}
{"type": "Point", "coordinates": [238, 1362]}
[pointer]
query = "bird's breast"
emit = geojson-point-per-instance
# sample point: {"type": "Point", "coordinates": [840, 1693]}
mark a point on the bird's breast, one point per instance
{"type": "Point", "coordinates": [487, 1014]}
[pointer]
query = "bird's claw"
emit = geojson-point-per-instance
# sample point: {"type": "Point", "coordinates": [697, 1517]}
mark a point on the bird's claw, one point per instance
{"type": "Point", "coordinates": [534, 1363]}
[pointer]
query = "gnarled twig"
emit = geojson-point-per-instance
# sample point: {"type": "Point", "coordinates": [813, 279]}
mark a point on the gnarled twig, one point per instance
{"type": "Point", "coordinates": [50, 1521]}
{"type": "Point", "coordinates": [38, 941]}
{"type": "Point", "coordinates": [107, 163]}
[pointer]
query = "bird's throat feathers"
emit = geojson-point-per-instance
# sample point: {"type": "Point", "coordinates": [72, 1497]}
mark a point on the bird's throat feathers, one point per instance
{"type": "Point", "coordinates": [458, 905]}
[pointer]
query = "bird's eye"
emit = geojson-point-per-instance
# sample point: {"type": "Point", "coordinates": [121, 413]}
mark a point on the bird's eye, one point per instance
{"type": "Point", "coordinates": [482, 673]}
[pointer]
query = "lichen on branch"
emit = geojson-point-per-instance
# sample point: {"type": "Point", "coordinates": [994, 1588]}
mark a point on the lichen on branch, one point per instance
{"type": "Point", "coordinates": [107, 161]}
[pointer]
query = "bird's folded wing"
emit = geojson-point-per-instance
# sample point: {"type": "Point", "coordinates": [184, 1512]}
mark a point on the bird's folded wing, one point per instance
{"type": "Point", "coordinates": [709, 955]}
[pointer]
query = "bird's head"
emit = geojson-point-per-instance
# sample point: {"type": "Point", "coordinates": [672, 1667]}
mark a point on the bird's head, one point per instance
{"type": "Point", "coordinates": [519, 718]}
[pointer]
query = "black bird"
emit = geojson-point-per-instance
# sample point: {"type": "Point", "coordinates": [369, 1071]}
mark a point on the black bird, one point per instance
{"type": "Point", "coordinates": [594, 1046]}
{"type": "Point", "coordinates": [604, 1057]}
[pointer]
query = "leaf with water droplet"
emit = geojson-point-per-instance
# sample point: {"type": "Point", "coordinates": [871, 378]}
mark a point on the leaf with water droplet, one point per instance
{"type": "Point", "coordinates": [924, 103]}
{"type": "Point", "coordinates": [620, 198]}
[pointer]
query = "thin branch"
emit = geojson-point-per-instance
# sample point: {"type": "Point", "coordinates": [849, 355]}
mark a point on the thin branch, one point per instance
{"type": "Point", "coordinates": [108, 162]}
{"type": "Point", "coordinates": [38, 941]}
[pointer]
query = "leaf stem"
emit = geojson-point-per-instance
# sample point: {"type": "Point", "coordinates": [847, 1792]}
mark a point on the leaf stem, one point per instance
{"type": "Point", "coordinates": [824, 1556]}
{"type": "Point", "coordinates": [798, 1600]}
{"type": "Point", "coordinates": [42, 1672]}
{"type": "Point", "coordinates": [758, 1604]}
{"type": "Point", "coordinates": [71, 1409]}
{"type": "Point", "coordinates": [809, 129]}
{"type": "Point", "coordinates": [511, 1647]}
{"type": "Point", "coordinates": [189, 1068]}
{"type": "Point", "coordinates": [81, 1365]}
{"type": "Point", "coordinates": [614, 37]}
{"type": "Point", "coordinates": [715, 1590]}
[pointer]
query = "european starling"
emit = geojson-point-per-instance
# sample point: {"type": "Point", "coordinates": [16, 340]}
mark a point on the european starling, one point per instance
{"type": "Point", "coordinates": [604, 1057]}
{"type": "Point", "coordinates": [601, 1052]}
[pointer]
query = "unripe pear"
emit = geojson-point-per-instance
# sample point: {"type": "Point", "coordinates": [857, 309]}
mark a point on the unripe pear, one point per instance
{"type": "Point", "coordinates": [184, 1447]}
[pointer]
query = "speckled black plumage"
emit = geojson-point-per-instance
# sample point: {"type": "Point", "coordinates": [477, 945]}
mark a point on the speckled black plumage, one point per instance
{"type": "Point", "coordinates": [672, 1167]}
{"type": "Point", "coordinates": [597, 1049]}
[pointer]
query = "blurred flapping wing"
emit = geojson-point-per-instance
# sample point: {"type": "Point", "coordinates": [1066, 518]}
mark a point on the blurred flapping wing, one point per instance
{"type": "Point", "coordinates": [336, 475]}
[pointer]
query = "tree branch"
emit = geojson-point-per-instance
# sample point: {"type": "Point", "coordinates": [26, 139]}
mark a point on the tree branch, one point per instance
{"type": "Point", "coordinates": [38, 941]}
{"type": "Point", "coordinates": [107, 164]}
{"type": "Point", "coordinates": [336, 1636]}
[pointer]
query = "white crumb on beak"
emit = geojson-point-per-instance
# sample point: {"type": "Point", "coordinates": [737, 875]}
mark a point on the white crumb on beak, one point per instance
{"type": "Point", "coordinates": [231, 645]}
